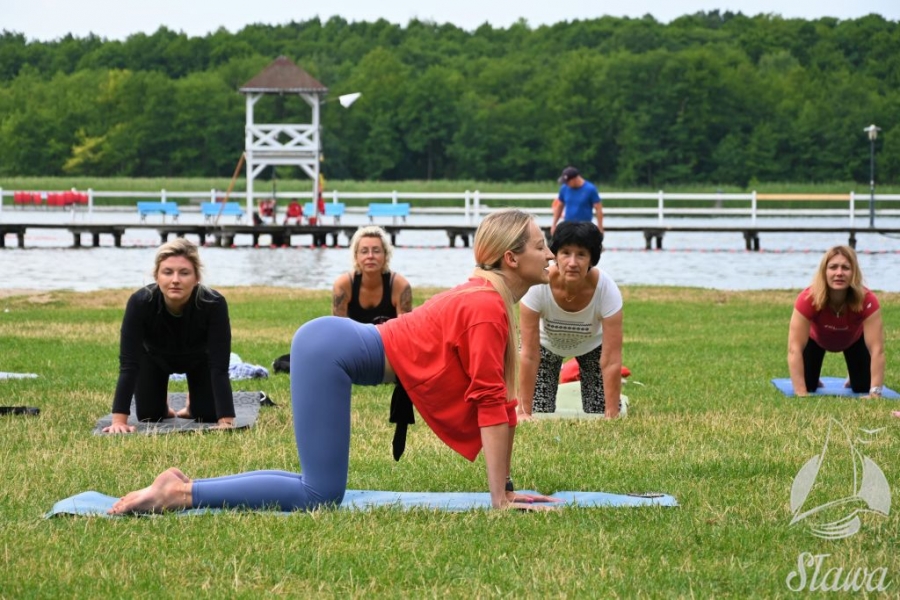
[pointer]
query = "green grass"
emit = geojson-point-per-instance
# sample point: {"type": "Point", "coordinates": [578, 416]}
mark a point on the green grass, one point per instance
{"type": "Point", "coordinates": [705, 426]}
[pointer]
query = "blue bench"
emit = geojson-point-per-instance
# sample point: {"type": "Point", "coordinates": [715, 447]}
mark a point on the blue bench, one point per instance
{"type": "Point", "coordinates": [400, 209]}
{"type": "Point", "coordinates": [332, 209]}
{"type": "Point", "coordinates": [162, 208]}
{"type": "Point", "coordinates": [212, 210]}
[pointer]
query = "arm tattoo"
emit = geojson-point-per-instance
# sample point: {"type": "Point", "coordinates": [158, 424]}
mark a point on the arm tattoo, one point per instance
{"type": "Point", "coordinates": [338, 309]}
{"type": "Point", "coordinates": [406, 299]}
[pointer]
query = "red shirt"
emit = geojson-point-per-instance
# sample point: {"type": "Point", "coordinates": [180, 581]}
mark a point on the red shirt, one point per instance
{"type": "Point", "coordinates": [449, 355]}
{"type": "Point", "coordinates": [832, 332]}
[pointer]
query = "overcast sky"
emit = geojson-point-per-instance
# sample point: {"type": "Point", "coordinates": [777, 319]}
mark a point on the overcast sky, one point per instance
{"type": "Point", "coordinates": [117, 19]}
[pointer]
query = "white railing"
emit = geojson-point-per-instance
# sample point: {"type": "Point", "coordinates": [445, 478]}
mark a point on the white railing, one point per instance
{"type": "Point", "coordinates": [475, 204]}
{"type": "Point", "coordinates": [269, 137]}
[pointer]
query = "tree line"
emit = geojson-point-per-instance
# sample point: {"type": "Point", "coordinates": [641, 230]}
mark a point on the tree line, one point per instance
{"type": "Point", "coordinates": [707, 98]}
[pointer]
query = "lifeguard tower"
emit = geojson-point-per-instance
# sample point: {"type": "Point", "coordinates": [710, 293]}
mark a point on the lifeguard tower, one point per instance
{"type": "Point", "coordinates": [283, 143]}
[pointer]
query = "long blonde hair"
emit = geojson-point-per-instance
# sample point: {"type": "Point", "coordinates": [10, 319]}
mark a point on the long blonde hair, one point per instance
{"type": "Point", "coordinates": [500, 232]}
{"type": "Point", "coordinates": [856, 292]}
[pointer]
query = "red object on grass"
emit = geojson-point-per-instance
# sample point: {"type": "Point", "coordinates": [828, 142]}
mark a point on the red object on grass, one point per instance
{"type": "Point", "coordinates": [570, 371]}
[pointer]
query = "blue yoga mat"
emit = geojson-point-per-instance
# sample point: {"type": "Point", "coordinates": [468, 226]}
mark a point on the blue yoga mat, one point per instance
{"type": "Point", "coordinates": [96, 504]}
{"type": "Point", "coordinates": [8, 375]}
{"type": "Point", "coordinates": [834, 386]}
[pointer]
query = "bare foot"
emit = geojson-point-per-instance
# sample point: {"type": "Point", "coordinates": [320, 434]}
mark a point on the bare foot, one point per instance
{"type": "Point", "coordinates": [185, 413]}
{"type": "Point", "coordinates": [170, 490]}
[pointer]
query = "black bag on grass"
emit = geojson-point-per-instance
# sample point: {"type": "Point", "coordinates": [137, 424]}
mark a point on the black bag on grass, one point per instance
{"type": "Point", "coordinates": [282, 364]}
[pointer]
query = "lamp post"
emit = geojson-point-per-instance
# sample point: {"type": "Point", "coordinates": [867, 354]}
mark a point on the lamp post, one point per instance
{"type": "Point", "coordinates": [872, 131]}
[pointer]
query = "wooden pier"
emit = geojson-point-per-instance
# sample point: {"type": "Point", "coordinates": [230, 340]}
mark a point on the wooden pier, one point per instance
{"type": "Point", "coordinates": [224, 235]}
{"type": "Point", "coordinates": [654, 235]}
{"type": "Point", "coordinates": [320, 235]}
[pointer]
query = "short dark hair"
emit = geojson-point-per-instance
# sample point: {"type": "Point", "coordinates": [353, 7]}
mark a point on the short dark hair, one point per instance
{"type": "Point", "coordinates": [579, 233]}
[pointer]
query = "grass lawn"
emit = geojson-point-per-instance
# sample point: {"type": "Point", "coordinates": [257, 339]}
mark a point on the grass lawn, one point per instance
{"type": "Point", "coordinates": [706, 426]}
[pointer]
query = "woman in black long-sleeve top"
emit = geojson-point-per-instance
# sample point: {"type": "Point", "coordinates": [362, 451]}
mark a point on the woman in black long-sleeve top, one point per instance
{"type": "Point", "coordinates": [177, 325]}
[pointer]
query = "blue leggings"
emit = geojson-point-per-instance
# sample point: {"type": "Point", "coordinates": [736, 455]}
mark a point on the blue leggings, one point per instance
{"type": "Point", "coordinates": [328, 355]}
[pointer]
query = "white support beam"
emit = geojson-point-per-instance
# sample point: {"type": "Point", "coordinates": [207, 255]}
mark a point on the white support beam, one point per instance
{"type": "Point", "coordinates": [275, 144]}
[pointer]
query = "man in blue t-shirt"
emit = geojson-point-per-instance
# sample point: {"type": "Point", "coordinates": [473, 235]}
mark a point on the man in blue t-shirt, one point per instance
{"type": "Point", "coordinates": [577, 197]}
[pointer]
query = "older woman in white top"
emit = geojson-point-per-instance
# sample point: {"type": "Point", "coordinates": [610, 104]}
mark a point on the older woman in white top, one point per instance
{"type": "Point", "coordinates": [579, 313]}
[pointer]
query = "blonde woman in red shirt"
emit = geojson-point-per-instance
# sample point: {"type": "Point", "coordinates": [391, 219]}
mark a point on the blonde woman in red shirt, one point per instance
{"type": "Point", "coordinates": [837, 313]}
{"type": "Point", "coordinates": [455, 355]}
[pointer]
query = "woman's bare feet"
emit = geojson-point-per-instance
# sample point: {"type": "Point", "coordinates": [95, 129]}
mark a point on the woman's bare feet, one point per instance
{"type": "Point", "coordinates": [169, 491]}
{"type": "Point", "coordinates": [185, 413]}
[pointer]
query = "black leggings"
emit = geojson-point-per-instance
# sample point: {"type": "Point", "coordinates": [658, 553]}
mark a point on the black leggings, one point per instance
{"type": "Point", "coordinates": [858, 365]}
{"type": "Point", "coordinates": [593, 397]}
{"type": "Point", "coordinates": [151, 391]}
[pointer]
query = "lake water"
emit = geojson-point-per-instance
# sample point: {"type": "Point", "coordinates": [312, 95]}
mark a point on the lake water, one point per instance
{"type": "Point", "coordinates": [706, 260]}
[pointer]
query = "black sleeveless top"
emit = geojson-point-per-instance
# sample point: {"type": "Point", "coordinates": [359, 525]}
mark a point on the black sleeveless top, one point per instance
{"type": "Point", "coordinates": [382, 311]}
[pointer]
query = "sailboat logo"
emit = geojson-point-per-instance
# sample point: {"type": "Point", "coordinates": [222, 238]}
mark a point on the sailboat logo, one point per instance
{"type": "Point", "coordinates": [868, 492]}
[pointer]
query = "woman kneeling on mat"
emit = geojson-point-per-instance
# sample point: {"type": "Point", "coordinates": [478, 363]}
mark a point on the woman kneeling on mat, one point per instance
{"type": "Point", "coordinates": [176, 325]}
{"type": "Point", "coordinates": [579, 313]}
{"type": "Point", "coordinates": [455, 355]}
{"type": "Point", "coordinates": [836, 313]}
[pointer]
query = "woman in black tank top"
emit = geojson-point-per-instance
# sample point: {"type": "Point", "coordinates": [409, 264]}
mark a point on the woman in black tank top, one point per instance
{"type": "Point", "coordinates": [371, 293]}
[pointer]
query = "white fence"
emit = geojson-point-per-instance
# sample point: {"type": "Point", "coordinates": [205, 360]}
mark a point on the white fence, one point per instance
{"type": "Point", "coordinates": [474, 204]}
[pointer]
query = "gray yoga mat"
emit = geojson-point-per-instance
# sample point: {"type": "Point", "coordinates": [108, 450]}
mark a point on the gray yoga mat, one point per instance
{"type": "Point", "coordinates": [95, 504]}
{"type": "Point", "coordinates": [246, 408]}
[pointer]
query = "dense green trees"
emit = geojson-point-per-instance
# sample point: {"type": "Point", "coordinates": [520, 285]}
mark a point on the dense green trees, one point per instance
{"type": "Point", "coordinates": [708, 98]}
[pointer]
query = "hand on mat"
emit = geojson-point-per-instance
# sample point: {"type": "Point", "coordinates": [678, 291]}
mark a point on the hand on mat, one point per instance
{"type": "Point", "coordinates": [529, 501]}
{"type": "Point", "coordinates": [523, 416]}
{"type": "Point", "coordinates": [119, 424]}
{"type": "Point", "coordinates": [119, 428]}
{"type": "Point", "coordinates": [530, 506]}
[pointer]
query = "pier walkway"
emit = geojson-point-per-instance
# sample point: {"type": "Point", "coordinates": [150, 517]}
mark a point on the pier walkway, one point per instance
{"type": "Point", "coordinates": [321, 235]}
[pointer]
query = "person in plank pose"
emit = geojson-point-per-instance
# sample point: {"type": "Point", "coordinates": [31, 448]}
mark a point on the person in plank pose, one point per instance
{"type": "Point", "coordinates": [578, 313]}
{"type": "Point", "coordinates": [837, 313]}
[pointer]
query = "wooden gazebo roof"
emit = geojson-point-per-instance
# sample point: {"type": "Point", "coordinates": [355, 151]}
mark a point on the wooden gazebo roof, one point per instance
{"type": "Point", "coordinates": [283, 76]}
